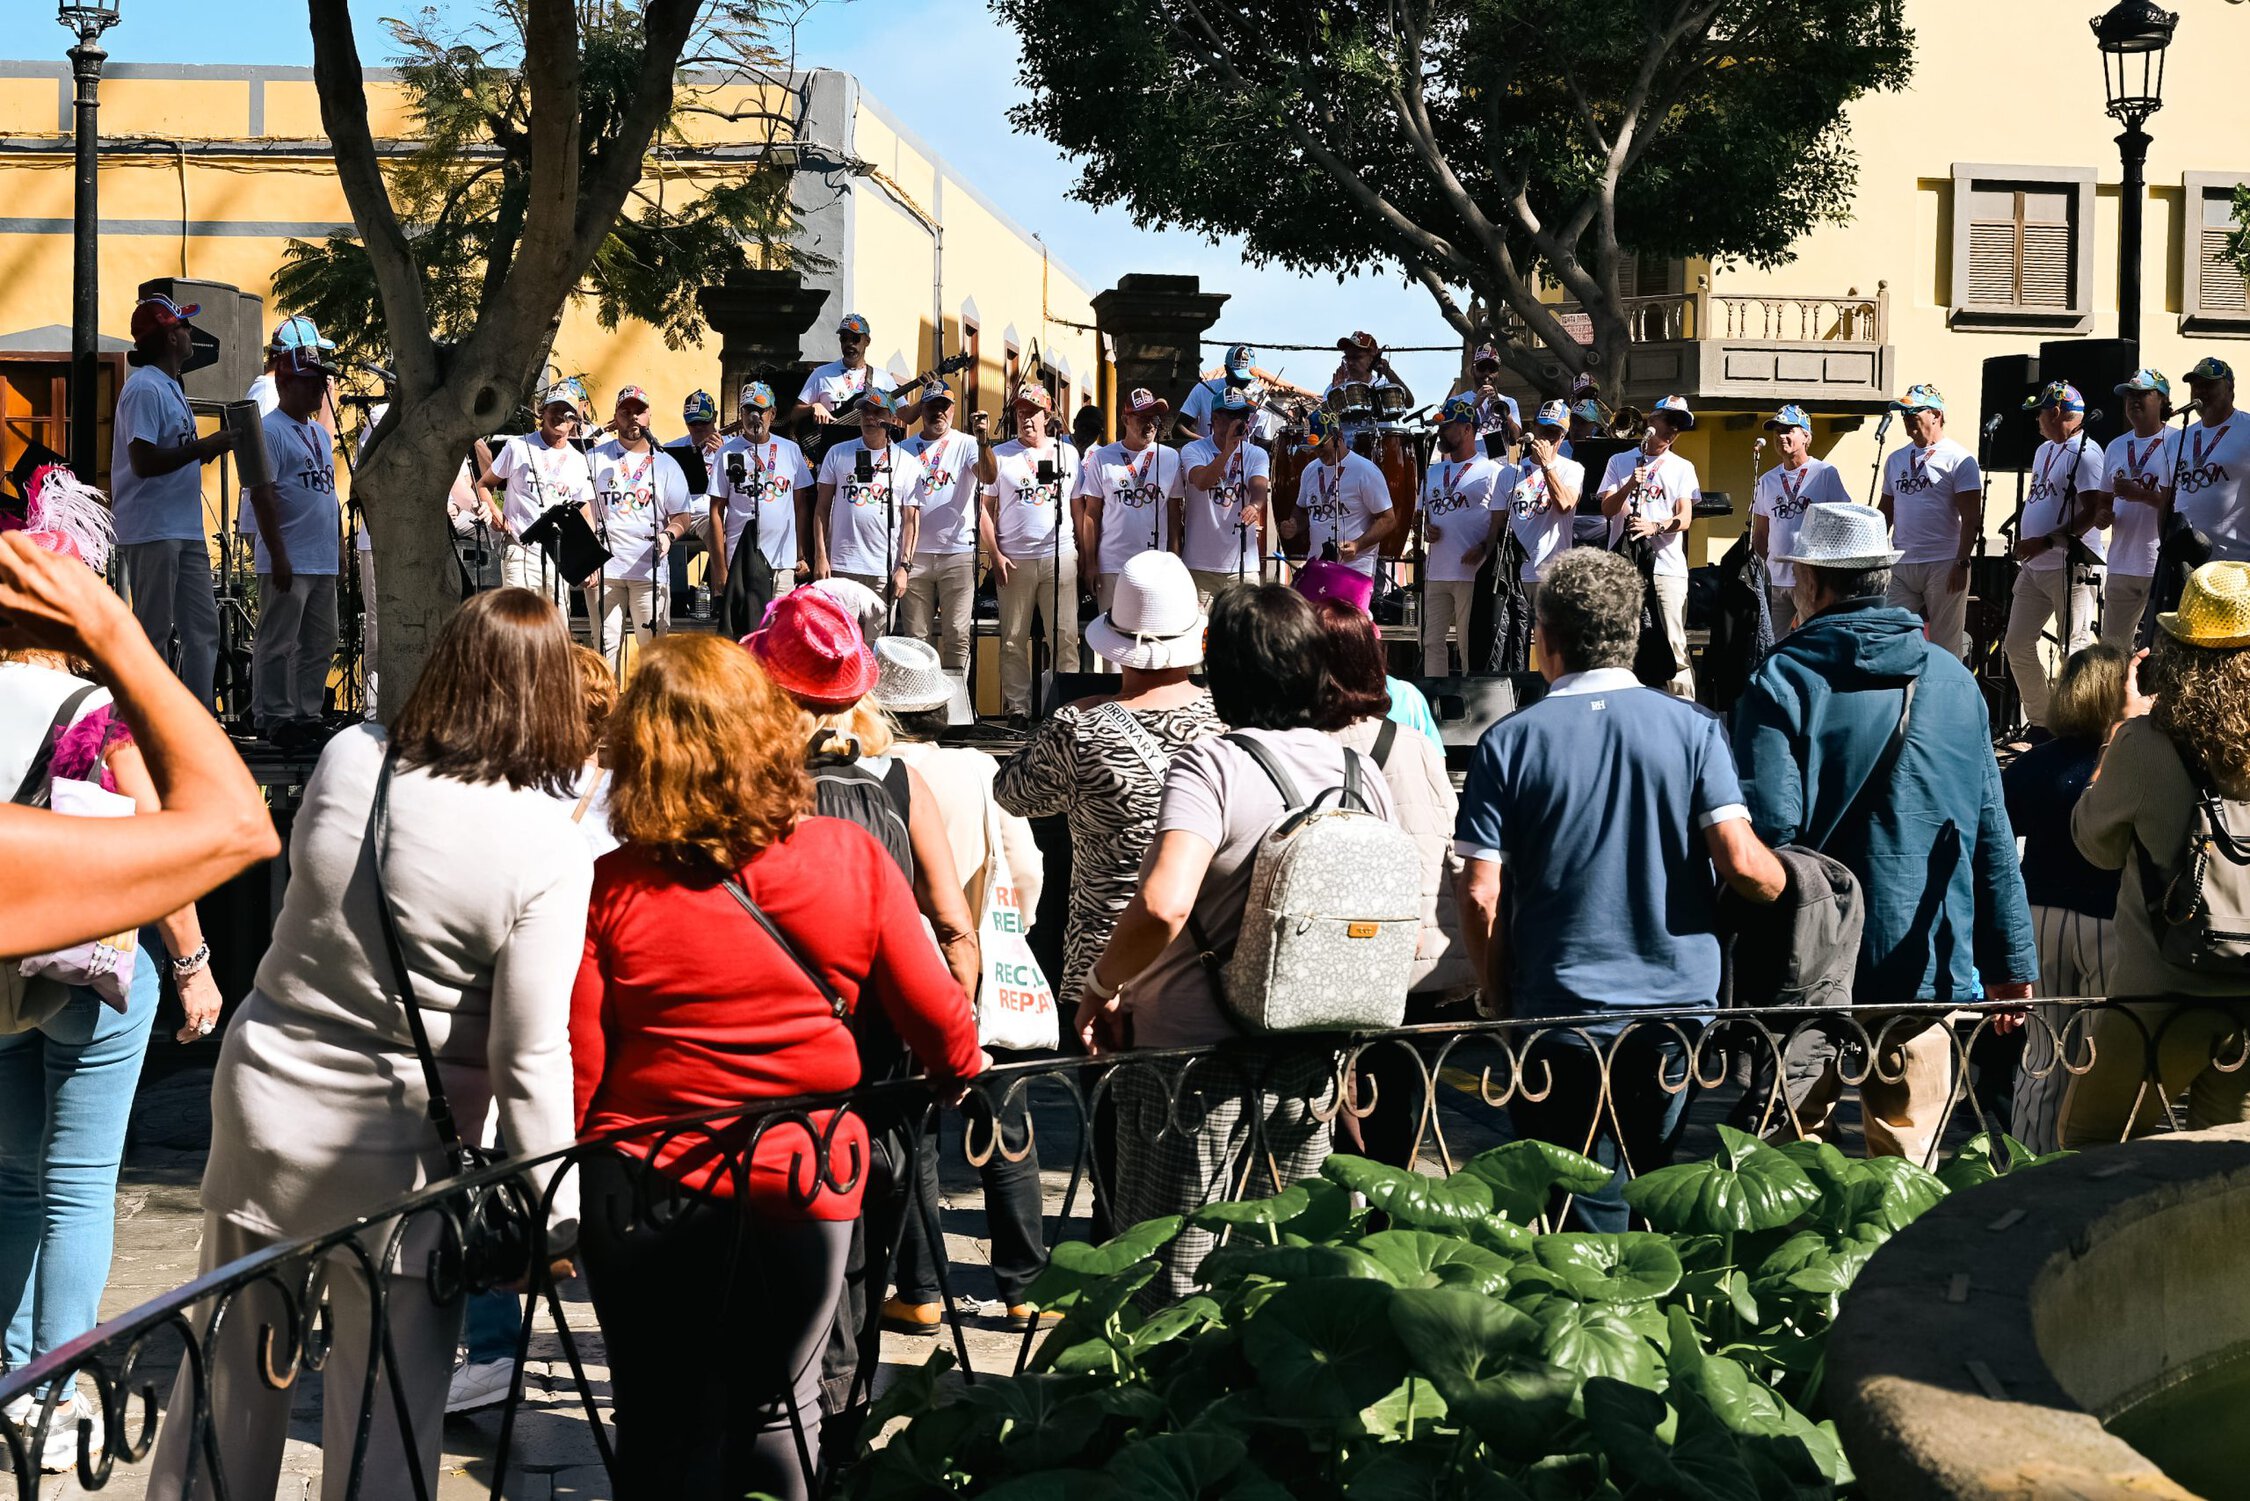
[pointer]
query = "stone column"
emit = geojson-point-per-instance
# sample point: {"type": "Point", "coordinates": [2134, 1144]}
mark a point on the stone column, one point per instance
{"type": "Point", "coordinates": [1154, 325]}
{"type": "Point", "coordinates": [760, 318]}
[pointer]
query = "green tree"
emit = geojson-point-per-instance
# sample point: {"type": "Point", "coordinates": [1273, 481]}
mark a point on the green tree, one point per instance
{"type": "Point", "coordinates": [1487, 148]}
{"type": "Point", "coordinates": [547, 140]}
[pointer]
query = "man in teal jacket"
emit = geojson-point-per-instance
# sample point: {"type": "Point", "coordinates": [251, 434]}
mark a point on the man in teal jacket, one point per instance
{"type": "Point", "coordinates": [1928, 838]}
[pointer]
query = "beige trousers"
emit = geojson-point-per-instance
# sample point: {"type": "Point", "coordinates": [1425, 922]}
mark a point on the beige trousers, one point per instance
{"type": "Point", "coordinates": [2039, 598]}
{"type": "Point", "coordinates": [1445, 607]}
{"type": "Point", "coordinates": [941, 590]}
{"type": "Point", "coordinates": [2195, 1042]}
{"type": "Point", "coordinates": [1927, 589]}
{"type": "Point", "coordinates": [1903, 1102]}
{"type": "Point", "coordinates": [2123, 599]}
{"type": "Point", "coordinates": [1671, 599]}
{"type": "Point", "coordinates": [1028, 589]}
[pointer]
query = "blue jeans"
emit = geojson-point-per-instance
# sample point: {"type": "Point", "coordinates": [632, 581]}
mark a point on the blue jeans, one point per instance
{"type": "Point", "coordinates": [66, 1095]}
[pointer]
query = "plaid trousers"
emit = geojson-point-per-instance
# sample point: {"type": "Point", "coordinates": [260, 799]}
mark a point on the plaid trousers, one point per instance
{"type": "Point", "coordinates": [1241, 1129]}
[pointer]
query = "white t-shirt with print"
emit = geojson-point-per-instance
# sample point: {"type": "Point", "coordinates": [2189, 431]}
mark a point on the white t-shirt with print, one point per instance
{"type": "Point", "coordinates": [2213, 494]}
{"type": "Point", "coordinates": [1339, 505]}
{"type": "Point", "coordinates": [1136, 489]}
{"type": "Point", "coordinates": [1212, 540]}
{"type": "Point", "coordinates": [1671, 490]}
{"type": "Point", "coordinates": [858, 541]}
{"type": "Point", "coordinates": [1925, 486]}
{"type": "Point", "coordinates": [949, 494]}
{"type": "Point", "coordinates": [772, 474]}
{"type": "Point", "coordinates": [166, 507]}
{"type": "Point", "coordinates": [1782, 497]}
{"type": "Point", "coordinates": [1458, 500]}
{"type": "Point", "coordinates": [1023, 509]}
{"type": "Point", "coordinates": [539, 478]}
{"type": "Point", "coordinates": [304, 496]}
{"type": "Point", "coordinates": [1543, 530]}
{"type": "Point", "coordinates": [2064, 479]}
{"type": "Point", "coordinates": [638, 493]}
{"type": "Point", "coordinates": [2133, 531]}
{"type": "Point", "coordinates": [833, 384]}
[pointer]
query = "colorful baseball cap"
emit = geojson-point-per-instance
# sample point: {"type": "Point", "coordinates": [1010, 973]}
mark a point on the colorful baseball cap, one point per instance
{"type": "Point", "coordinates": [699, 408]}
{"type": "Point", "coordinates": [1360, 342]}
{"type": "Point", "coordinates": [632, 393]}
{"type": "Point", "coordinates": [308, 359]}
{"type": "Point", "coordinates": [1554, 414]}
{"type": "Point", "coordinates": [756, 395]}
{"type": "Point", "coordinates": [1030, 394]}
{"type": "Point", "coordinates": [1232, 402]}
{"type": "Point", "coordinates": [2145, 379]}
{"type": "Point", "coordinates": [1922, 398]}
{"type": "Point", "coordinates": [1676, 409]}
{"type": "Point", "coordinates": [2207, 368]}
{"type": "Point", "coordinates": [1144, 402]}
{"type": "Point", "coordinates": [882, 403]}
{"type": "Point", "coordinates": [1324, 425]}
{"type": "Point", "coordinates": [566, 392]}
{"type": "Point", "coordinates": [297, 333]}
{"type": "Point", "coordinates": [1239, 360]}
{"type": "Point", "coordinates": [153, 315]}
{"type": "Point", "coordinates": [935, 391]}
{"type": "Point", "coordinates": [1459, 407]}
{"type": "Point", "coordinates": [1487, 354]}
{"type": "Point", "coordinates": [1587, 408]}
{"type": "Point", "coordinates": [2058, 393]}
{"type": "Point", "coordinates": [1791, 415]}
{"type": "Point", "coordinates": [853, 323]}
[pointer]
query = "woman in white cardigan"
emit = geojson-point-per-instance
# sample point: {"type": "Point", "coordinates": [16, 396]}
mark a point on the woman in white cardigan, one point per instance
{"type": "Point", "coordinates": [319, 1110]}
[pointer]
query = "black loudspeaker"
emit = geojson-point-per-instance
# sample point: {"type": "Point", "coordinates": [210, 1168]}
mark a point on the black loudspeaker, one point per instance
{"type": "Point", "coordinates": [1054, 689]}
{"type": "Point", "coordinates": [230, 336]}
{"type": "Point", "coordinates": [1467, 707]}
{"type": "Point", "coordinates": [2009, 381]}
{"type": "Point", "coordinates": [2097, 367]}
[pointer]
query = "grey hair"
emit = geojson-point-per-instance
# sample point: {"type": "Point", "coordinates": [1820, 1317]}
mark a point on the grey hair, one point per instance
{"type": "Point", "coordinates": [1590, 609]}
{"type": "Point", "coordinates": [1850, 583]}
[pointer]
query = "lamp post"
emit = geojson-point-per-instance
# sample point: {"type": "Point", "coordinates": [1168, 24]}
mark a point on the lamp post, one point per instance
{"type": "Point", "coordinates": [88, 19]}
{"type": "Point", "coordinates": [2132, 36]}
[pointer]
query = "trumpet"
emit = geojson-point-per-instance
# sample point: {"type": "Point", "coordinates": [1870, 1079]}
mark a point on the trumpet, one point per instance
{"type": "Point", "coordinates": [1627, 425]}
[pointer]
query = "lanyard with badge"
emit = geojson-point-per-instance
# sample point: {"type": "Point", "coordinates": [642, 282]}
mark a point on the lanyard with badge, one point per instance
{"type": "Point", "coordinates": [1917, 469]}
{"type": "Point", "coordinates": [2136, 464]}
{"type": "Point", "coordinates": [313, 466]}
{"type": "Point", "coordinates": [1790, 493]}
{"type": "Point", "coordinates": [631, 482]}
{"type": "Point", "coordinates": [1449, 486]}
{"type": "Point", "coordinates": [2217, 437]}
{"type": "Point", "coordinates": [2046, 462]}
{"type": "Point", "coordinates": [1531, 493]}
{"type": "Point", "coordinates": [1135, 472]}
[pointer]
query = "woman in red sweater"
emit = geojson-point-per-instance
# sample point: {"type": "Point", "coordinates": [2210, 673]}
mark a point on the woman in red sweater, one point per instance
{"type": "Point", "coordinates": [716, 1275]}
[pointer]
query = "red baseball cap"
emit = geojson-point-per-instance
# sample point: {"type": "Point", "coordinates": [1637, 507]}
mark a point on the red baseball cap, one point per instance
{"type": "Point", "coordinates": [155, 314]}
{"type": "Point", "coordinates": [812, 648]}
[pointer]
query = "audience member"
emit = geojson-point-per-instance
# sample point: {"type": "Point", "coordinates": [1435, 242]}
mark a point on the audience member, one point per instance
{"type": "Point", "coordinates": [1861, 739]}
{"type": "Point", "coordinates": [1322, 580]}
{"type": "Point", "coordinates": [1607, 806]}
{"type": "Point", "coordinates": [714, 970]}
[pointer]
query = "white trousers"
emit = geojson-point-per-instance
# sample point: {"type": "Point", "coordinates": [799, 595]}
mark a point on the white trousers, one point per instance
{"type": "Point", "coordinates": [168, 585]}
{"type": "Point", "coordinates": [524, 567]}
{"type": "Point", "coordinates": [295, 645]}
{"type": "Point", "coordinates": [2039, 598]}
{"type": "Point", "coordinates": [1671, 600]}
{"type": "Point", "coordinates": [1927, 589]}
{"type": "Point", "coordinates": [611, 603]}
{"type": "Point", "coordinates": [1029, 588]}
{"type": "Point", "coordinates": [1445, 607]}
{"type": "Point", "coordinates": [2123, 599]}
{"type": "Point", "coordinates": [941, 590]}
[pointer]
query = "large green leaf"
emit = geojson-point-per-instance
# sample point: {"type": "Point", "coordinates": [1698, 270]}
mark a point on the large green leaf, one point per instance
{"type": "Point", "coordinates": [1092, 1308]}
{"type": "Point", "coordinates": [1629, 1268]}
{"type": "Point", "coordinates": [1747, 1186]}
{"type": "Point", "coordinates": [1417, 1396]}
{"type": "Point", "coordinates": [1643, 1439]}
{"type": "Point", "coordinates": [1895, 1193]}
{"type": "Point", "coordinates": [1502, 1236]}
{"type": "Point", "coordinates": [1749, 1408]}
{"type": "Point", "coordinates": [1594, 1340]}
{"type": "Point", "coordinates": [1480, 1354]}
{"type": "Point", "coordinates": [1054, 1485]}
{"type": "Point", "coordinates": [1229, 1265]}
{"type": "Point", "coordinates": [1983, 1158]}
{"type": "Point", "coordinates": [1046, 1420]}
{"type": "Point", "coordinates": [1419, 1258]}
{"type": "Point", "coordinates": [1175, 1466]}
{"type": "Point", "coordinates": [1325, 1348]}
{"type": "Point", "coordinates": [1427, 1472]}
{"type": "Point", "coordinates": [1411, 1199]}
{"type": "Point", "coordinates": [1328, 1210]}
{"type": "Point", "coordinates": [1524, 1174]}
{"type": "Point", "coordinates": [1184, 1317]}
{"type": "Point", "coordinates": [1278, 1210]}
{"type": "Point", "coordinates": [1073, 1266]}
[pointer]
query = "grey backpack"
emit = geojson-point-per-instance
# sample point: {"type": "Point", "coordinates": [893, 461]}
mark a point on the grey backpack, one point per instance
{"type": "Point", "coordinates": [2200, 908]}
{"type": "Point", "coordinates": [1333, 914]}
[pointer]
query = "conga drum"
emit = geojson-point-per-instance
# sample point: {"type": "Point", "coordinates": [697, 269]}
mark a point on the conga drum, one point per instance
{"type": "Point", "coordinates": [1289, 468]}
{"type": "Point", "coordinates": [1402, 474]}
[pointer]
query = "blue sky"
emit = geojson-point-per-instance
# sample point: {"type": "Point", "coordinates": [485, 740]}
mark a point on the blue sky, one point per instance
{"type": "Point", "coordinates": [947, 69]}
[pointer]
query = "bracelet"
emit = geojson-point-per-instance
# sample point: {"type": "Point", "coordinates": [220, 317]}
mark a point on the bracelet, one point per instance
{"type": "Point", "coordinates": [194, 962]}
{"type": "Point", "coordinates": [1094, 987]}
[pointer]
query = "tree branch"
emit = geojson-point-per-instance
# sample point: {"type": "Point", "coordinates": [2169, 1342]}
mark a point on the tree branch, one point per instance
{"type": "Point", "coordinates": [343, 112]}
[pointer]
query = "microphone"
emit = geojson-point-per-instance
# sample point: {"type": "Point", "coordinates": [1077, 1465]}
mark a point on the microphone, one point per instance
{"type": "Point", "coordinates": [1757, 447]}
{"type": "Point", "coordinates": [1047, 472]}
{"type": "Point", "coordinates": [387, 376]}
{"type": "Point", "coordinates": [1882, 428]}
{"type": "Point", "coordinates": [737, 471]}
{"type": "Point", "coordinates": [2093, 414]}
{"type": "Point", "coordinates": [2194, 405]}
{"type": "Point", "coordinates": [1992, 424]}
{"type": "Point", "coordinates": [863, 467]}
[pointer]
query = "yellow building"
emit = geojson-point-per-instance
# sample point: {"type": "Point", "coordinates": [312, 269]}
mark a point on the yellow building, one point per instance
{"type": "Point", "coordinates": [1985, 223]}
{"type": "Point", "coordinates": [208, 172]}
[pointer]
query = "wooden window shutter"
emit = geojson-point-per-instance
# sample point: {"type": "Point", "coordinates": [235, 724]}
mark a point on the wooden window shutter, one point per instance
{"type": "Point", "coordinates": [2022, 248]}
{"type": "Point", "coordinates": [2220, 287]}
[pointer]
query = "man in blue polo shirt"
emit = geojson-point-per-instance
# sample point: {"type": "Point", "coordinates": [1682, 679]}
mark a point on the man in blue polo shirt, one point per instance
{"type": "Point", "coordinates": [1605, 809]}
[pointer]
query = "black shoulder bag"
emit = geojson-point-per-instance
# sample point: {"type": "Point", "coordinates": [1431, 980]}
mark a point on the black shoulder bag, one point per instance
{"type": "Point", "coordinates": [494, 1218]}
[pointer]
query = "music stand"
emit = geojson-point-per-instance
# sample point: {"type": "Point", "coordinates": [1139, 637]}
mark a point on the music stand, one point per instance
{"type": "Point", "coordinates": [569, 541]}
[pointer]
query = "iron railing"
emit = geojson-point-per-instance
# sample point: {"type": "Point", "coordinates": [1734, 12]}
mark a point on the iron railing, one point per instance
{"type": "Point", "coordinates": [1456, 1076]}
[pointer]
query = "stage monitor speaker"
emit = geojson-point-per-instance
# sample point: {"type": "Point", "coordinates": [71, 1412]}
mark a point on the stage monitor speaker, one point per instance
{"type": "Point", "coordinates": [1467, 707]}
{"type": "Point", "coordinates": [1595, 454]}
{"type": "Point", "coordinates": [2097, 367]}
{"type": "Point", "coordinates": [1059, 688]}
{"type": "Point", "coordinates": [2009, 381]}
{"type": "Point", "coordinates": [230, 336]}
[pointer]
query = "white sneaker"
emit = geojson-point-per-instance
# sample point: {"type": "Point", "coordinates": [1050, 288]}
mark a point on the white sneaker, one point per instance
{"type": "Point", "coordinates": [479, 1384]}
{"type": "Point", "coordinates": [60, 1456]}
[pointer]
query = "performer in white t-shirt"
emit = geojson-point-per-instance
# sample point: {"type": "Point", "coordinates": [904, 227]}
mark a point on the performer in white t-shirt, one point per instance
{"type": "Point", "coordinates": [641, 507]}
{"type": "Point", "coordinates": [1933, 494]}
{"type": "Point", "coordinates": [298, 547]}
{"type": "Point", "coordinates": [1777, 509]}
{"type": "Point", "coordinates": [1464, 507]}
{"type": "Point", "coordinates": [1236, 374]}
{"type": "Point", "coordinates": [1343, 501]}
{"type": "Point", "coordinates": [2214, 493]}
{"type": "Point", "coordinates": [1223, 506]}
{"type": "Point", "coordinates": [759, 478]}
{"type": "Point", "coordinates": [1025, 528]}
{"type": "Point", "coordinates": [1499, 419]}
{"type": "Point", "coordinates": [867, 508]}
{"type": "Point", "coordinates": [1544, 503]}
{"type": "Point", "coordinates": [2062, 514]}
{"type": "Point", "coordinates": [941, 586]}
{"type": "Point", "coordinates": [1131, 491]}
{"type": "Point", "coordinates": [1650, 493]}
{"type": "Point", "coordinates": [830, 389]}
{"type": "Point", "coordinates": [2137, 472]}
{"type": "Point", "coordinates": [542, 470]}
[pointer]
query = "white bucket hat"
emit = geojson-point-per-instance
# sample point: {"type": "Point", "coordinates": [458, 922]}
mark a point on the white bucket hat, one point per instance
{"type": "Point", "coordinates": [1153, 623]}
{"type": "Point", "coordinates": [1842, 534]}
{"type": "Point", "coordinates": [909, 678]}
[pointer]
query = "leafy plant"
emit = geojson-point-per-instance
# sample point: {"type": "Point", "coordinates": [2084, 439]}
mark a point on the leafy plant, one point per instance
{"type": "Point", "coordinates": [1463, 1352]}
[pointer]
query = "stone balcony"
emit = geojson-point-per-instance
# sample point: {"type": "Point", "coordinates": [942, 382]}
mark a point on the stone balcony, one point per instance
{"type": "Point", "coordinates": [1828, 353]}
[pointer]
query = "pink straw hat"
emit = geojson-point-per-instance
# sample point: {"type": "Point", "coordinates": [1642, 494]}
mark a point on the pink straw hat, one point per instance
{"type": "Point", "coordinates": [811, 647]}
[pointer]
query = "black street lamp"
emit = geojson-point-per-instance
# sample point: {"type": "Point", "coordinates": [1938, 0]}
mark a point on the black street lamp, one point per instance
{"type": "Point", "coordinates": [2132, 35]}
{"type": "Point", "coordinates": [88, 19]}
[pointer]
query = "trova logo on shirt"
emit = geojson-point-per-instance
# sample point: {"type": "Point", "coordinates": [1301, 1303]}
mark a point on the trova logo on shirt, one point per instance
{"type": "Point", "coordinates": [2202, 478]}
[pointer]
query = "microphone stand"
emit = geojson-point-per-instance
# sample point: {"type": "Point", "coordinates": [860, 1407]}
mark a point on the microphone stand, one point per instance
{"type": "Point", "coordinates": [1875, 480]}
{"type": "Point", "coordinates": [1049, 642]}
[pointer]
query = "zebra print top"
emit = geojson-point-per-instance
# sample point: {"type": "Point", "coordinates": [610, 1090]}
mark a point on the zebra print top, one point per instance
{"type": "Point", "coordinates": [1085, 765]}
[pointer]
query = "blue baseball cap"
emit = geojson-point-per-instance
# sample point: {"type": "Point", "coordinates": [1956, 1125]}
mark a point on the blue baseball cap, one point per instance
{"type": "Point", "coordinates": [1459, 407]}
{"type": "Point", "coordinates": [877, 401]}
{"type": "Point", "coordinates": [1239, 360]}
{"type": "Point", "coordinates": [1589, 409]}
{"type": "Point", "coordinates": [2209, 368]}
{"type": "Point", "coordinates": [2145, 379]}
{"type": "Point", "coordinates": [936, 391]}
{"type": "Point", "coordinates": [699, 408]}
{"type": "Point", "coordinates": [566, 392]}
{"type": "Point", "coordinates": [1231, 402]}
{"type": "Point", "coordinates": [1675, 408]}
{"type": "Point", "coordinates": [1324, 425]}
{"type": "Point", "coordinates": [1921, 398]}
{"type": "Point", "coordinates": [853, 323]}
{"type": "Point", "coordinates": [1552, 414]}
{"type": "Point", "coordinates": [297, 333]}
{"type": "Point", "coordinates": [2060, 394]}
{"type": "Point", "coordinates": [756, 395]}
{"type": "Point", "coordinates": [1791, 415]}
